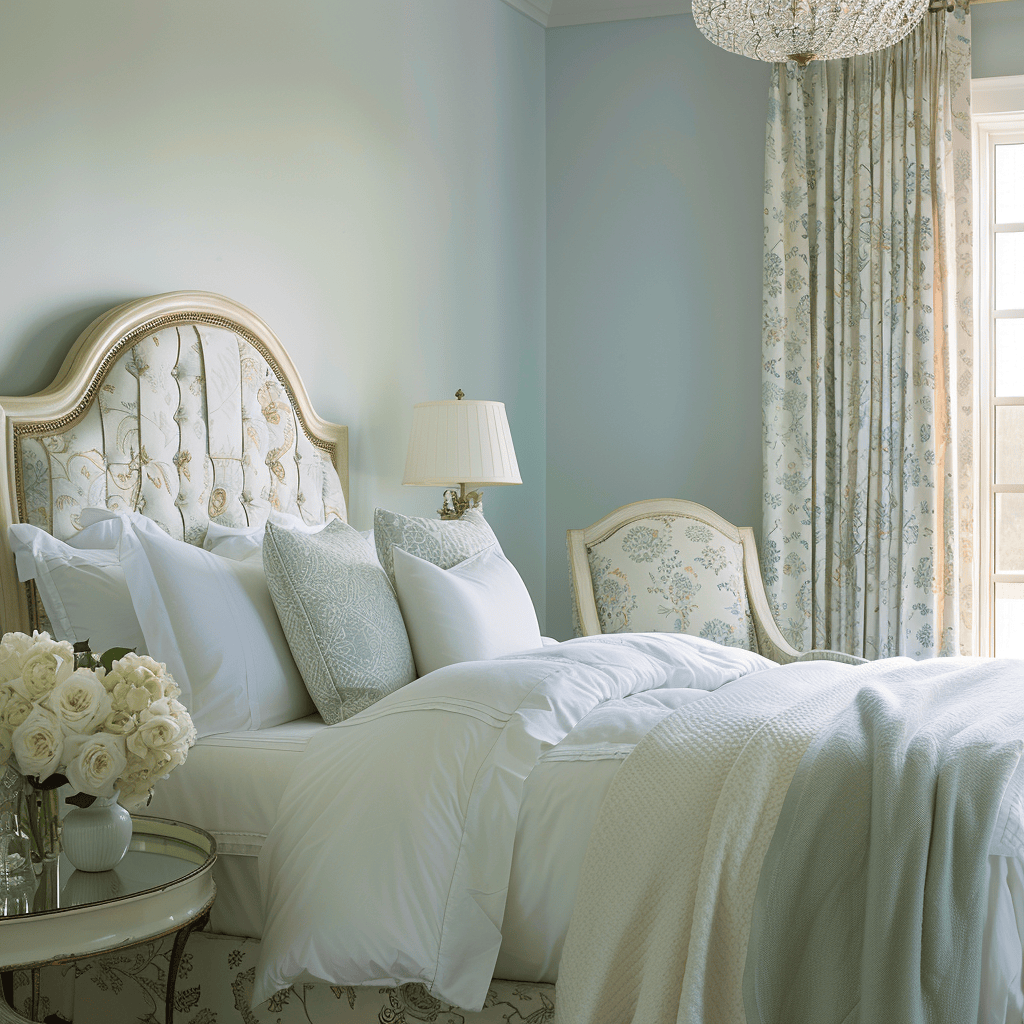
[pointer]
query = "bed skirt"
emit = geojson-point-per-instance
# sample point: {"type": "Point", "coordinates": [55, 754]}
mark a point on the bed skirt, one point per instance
{"type": "Point", "coordinates": [216, 976]}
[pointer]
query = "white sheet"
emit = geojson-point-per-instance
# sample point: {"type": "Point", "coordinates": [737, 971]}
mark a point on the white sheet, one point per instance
{"type": "Point", "coordinates": [561, 798]}
{"type": "Point", "coordinates": [231, 783]}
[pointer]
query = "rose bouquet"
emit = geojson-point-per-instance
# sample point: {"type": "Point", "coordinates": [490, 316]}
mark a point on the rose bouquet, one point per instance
{"type": "Point", "coordinates": [113, 728]}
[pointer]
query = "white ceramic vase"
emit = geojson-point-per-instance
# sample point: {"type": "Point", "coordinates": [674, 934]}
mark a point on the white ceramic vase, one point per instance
{"type": "Point", "coordinates": [95, 838]}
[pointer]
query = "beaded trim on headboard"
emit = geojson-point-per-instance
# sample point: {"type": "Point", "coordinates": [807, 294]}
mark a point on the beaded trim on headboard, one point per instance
{"type": "Point", "coordinates": [184, 407]}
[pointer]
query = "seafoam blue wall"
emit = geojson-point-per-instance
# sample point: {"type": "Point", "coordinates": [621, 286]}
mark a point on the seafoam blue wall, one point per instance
{"type": "Point", "coordinates": [655, 158]}
{"type": "Point", "coordinates": [997, 39]}
{"type": "Point", "coordinates": [368, 177]}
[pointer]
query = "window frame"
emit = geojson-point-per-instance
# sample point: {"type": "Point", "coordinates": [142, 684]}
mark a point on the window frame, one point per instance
{"type": "Point", "coordinates": [998, 118]}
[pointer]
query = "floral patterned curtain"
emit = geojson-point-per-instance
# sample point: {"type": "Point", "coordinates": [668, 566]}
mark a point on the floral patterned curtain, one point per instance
{"type": "Point", "coordinates": [867, 389]}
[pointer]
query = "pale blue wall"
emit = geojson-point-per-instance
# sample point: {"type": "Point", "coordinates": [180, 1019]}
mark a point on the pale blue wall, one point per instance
{"type": "Point", "coordinates": [655, 181]}
{"type": "Point", "coordinates": [367, 177]}
{"type": "Point", "coordinates": [997, 39]}
{"type": "Point", "coordinates": [371, 179]}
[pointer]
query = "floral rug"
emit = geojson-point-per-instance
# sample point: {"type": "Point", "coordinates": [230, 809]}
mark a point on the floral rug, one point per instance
{"type": "Point", "coordinates": [216, 976]}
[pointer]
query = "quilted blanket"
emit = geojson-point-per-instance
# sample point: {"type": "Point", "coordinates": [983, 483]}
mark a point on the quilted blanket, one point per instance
{"type": "Point", "coordinates": [872, 893]}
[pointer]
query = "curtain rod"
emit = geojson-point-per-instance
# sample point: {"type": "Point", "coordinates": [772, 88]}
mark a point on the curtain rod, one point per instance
{"type": "Point", "coordinates": [938, 6]}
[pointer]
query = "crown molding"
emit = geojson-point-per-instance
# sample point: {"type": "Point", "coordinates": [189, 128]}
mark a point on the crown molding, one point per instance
{"type": "Point", "coordinates": [997, 95]}
{"type": "Point", "coordinates": [562, 13]}
{"type": "Point", "coordinates": [537, 10]}
{"type": "Point", "coordinates": [588, 12]}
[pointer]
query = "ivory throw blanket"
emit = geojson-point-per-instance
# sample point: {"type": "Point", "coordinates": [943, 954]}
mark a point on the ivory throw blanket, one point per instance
{"type": "Point", "coordinates": [872, 890]}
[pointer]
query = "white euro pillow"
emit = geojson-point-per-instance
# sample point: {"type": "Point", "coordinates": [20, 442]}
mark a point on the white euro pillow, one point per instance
{"type": "Point", "coordinates": [240, 542]}
{"type": "Point", "coordinates": [474, 611]}
{"type": "Point", "coordinates": [81, 583]}
{"type": "Point", "coordinates": [211, 620]}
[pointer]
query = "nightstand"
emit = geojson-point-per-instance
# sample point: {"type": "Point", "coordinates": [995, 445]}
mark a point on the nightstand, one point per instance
{"type": "Point", "coordinates": [163, 886]}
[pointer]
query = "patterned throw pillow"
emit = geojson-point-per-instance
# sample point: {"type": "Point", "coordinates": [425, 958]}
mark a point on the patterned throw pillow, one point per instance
{"type": "Point", "coordinates": [672, 574]}
{"type": "Point", "coordinates": [444, 542]}
{"type": "Point", "coordinates": [340, 617]}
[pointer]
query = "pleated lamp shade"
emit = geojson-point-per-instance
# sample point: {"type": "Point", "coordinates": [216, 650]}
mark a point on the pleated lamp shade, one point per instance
{"type": "Point", "coordinates": [460, 442]}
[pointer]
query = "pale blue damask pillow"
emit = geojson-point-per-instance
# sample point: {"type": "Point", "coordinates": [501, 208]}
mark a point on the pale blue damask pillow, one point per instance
{"type": "Point", "coordinates": [340, 616]}
{"type": "Point", "coordinates": [443, 542]}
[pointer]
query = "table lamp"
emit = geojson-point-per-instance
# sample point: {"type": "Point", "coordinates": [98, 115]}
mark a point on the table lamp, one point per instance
{"type": "Point", "coordinates": [462, 442]}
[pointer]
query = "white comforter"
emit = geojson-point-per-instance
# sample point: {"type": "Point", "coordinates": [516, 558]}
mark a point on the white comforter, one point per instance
{"type": "Point", "coordinates": [391, 857]}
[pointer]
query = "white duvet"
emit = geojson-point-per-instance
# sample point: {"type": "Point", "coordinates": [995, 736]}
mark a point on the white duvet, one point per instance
{"type": "Point", "coordinates": [392, 857]}
{"type": "Point", "coordinates": [439, 836]}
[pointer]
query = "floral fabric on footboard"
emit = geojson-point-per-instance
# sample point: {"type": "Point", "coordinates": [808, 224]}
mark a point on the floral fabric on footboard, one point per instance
{"type": "Point", "coordinates": [215, 979]}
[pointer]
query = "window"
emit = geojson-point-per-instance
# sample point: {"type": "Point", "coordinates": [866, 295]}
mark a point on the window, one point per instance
{"type": "Point", "coordinates": [999, 259]}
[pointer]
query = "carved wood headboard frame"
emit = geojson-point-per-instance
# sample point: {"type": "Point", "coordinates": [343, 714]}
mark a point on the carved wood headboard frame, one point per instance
{"type": "Point", "coordinates": [256, 383]}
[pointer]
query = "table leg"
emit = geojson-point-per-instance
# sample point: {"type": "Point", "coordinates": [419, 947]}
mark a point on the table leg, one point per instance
{"type": "Point", "coordinates": [177, 953]}
{"type": "Point", "coordinates": [8, 1015]}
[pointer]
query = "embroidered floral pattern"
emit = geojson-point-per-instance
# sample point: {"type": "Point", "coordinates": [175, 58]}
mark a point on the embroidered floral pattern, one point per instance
{"type": "Point", "coordinates": [190, 423]}
{"type": "Point", "coordinates": [643, 544]}
{"type": "Point", "coordinates": [218, 972]}
{"type": "Point", "coordinates": [672, 574]}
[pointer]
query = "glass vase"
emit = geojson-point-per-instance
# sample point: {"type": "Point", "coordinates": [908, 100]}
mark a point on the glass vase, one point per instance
{"type": "Point", "coordinates": [37, 812]}
{"type": "Point", "coordinates": [41, 819]}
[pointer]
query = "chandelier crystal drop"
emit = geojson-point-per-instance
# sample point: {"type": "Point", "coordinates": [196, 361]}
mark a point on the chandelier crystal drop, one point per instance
{"type": "Point", "coordinates": [806, 30]}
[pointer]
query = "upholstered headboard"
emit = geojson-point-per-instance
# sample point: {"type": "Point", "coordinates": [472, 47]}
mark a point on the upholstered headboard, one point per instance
{"type": "Point", "coordinates": [184, 407]}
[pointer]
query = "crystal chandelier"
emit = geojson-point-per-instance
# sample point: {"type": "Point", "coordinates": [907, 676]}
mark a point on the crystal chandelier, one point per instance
{"type": "Point", "coordinates": [806, 30]}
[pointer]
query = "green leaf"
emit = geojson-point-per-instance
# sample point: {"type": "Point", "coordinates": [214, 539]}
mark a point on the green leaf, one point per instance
{"type": "Point", "coordinates": [80, 799]}
{"type": "Point", "coordinates": [55, 781]}
{"type": "Point", "coordinates": [108, 657]}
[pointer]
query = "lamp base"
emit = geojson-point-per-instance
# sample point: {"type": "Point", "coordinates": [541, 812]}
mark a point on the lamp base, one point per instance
{"type": "Point", "coordinates": [457, 502]}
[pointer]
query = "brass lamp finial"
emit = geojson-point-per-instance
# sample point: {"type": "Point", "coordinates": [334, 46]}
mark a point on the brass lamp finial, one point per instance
{"type": "Point", "coordinates": [460, 395]}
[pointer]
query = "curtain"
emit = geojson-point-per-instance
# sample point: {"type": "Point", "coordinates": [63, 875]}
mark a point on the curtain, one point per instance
{"type": "Point", "coordinates": [867, 348]}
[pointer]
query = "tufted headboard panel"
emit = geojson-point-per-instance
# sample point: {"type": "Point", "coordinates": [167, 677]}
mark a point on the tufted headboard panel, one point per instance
{"type": "Point", "coordinates": [184, 407]}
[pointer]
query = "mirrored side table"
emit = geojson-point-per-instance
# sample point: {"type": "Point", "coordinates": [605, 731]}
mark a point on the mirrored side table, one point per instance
{"type": "Point", "coordinates": [163, 886]}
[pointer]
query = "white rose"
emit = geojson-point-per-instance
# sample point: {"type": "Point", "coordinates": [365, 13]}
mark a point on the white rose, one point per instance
{"type": "Point", "coordinates": [80, 701]}
{"type": "Point", "coordinates": [155, 734]}
{"type": "Point", "coordinates": [47, 664]}
{"type": "Point", "coordinates": [129, 697]}
{"type": "Point", "coordinates": [141, 670]}
{"type": "Point", "coordinates": [5, 745]}
{"type": "Point", "coordinates": [119, 723]}
{"type": "Point", "coordinates": [14, 707]}
{"type": "Point", "coordinates": [13, 649]}
{"type": "Point", "coordinates": [180, 714]}
{"type": "Point", "coordinates": [38, 743]}
{"type": "Point", "coordinates": [161, 707]}
{"type": "Point", "coordinates": [132, 796]}
{"type": "Point", "coordinates": [95, 762]}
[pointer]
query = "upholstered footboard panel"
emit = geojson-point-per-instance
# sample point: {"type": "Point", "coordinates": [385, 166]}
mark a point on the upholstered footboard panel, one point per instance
{"type": "Point", "coordinates": [216, 977]}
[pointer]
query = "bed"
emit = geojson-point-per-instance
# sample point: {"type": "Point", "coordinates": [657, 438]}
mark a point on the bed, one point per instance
{"type": "Point", "coordinates": [527, 820]}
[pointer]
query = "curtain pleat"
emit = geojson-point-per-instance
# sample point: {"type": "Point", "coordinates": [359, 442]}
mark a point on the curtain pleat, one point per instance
{"type": "Point", "coordinates": [868, 443]}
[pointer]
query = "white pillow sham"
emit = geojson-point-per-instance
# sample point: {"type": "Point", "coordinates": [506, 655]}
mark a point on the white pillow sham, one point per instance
{"type": "Point", "coordinates": [212, 621]}
{"type": "Point", "coordinates": [477, 610]}
{"type": "Point", "coordinates": [81, 583]}
{"type": "Point", "coordinates": [240, 542]}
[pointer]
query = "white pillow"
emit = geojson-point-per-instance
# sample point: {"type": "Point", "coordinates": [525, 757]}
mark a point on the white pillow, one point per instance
{"type": "Point", "coordinates": [241, 541]}
{"type": "Point", "coordinates": [81, 584]}
{"type": "Point", "coordinates": [212, 621]}
{"type": "Point", "coordinates": [474, 611]}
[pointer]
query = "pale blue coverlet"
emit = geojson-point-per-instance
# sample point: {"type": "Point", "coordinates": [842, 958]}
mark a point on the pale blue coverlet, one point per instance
{"type": "Point", "coordinates": [870, 904]}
